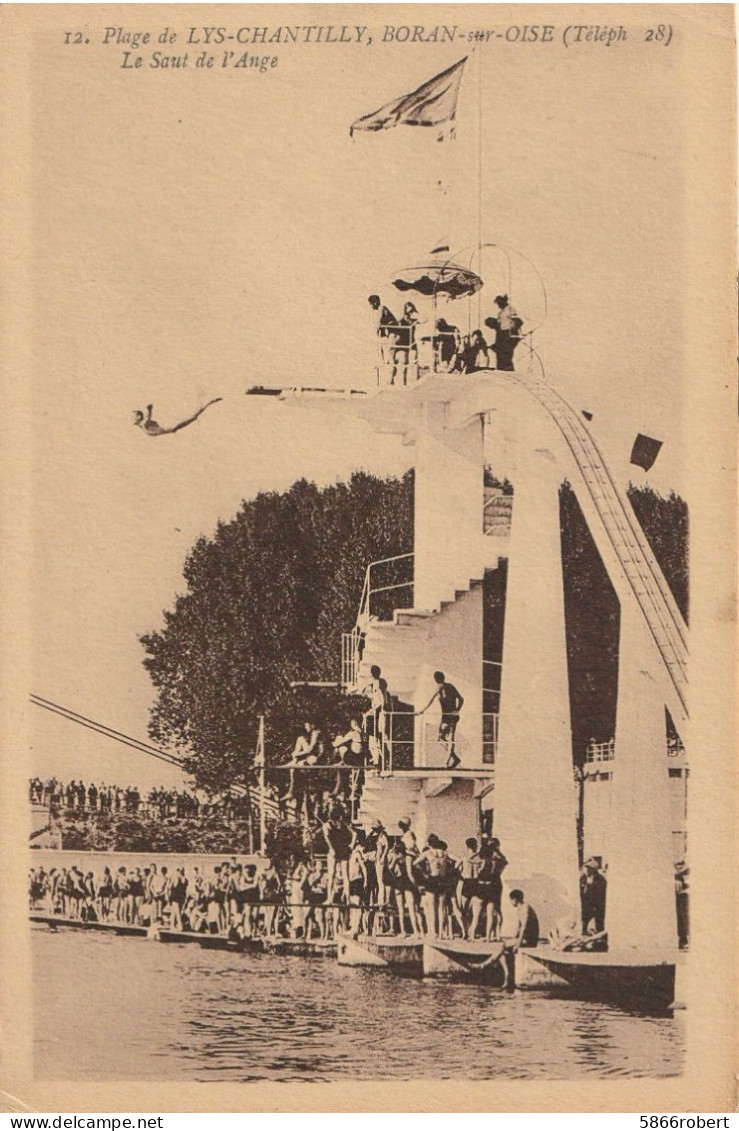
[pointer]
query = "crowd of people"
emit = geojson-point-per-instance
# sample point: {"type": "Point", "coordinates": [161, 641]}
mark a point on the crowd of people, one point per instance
{"type": "Point", "coordinates": [453, 352]}
{"type": "Point", "coordinates": [370, 881]}
{"type": "Point", "coordinates": [79, 796]}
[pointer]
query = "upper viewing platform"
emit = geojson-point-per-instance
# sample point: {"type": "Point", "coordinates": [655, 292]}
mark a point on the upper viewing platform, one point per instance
{"type": "Point", "coordinates": [441, 329]}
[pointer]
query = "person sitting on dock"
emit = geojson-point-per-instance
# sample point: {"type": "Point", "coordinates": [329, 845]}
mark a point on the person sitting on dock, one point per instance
{"type": "Point", "coordinates": [520, 929]}
{"type": "Point", "coordinates": [451, 703]}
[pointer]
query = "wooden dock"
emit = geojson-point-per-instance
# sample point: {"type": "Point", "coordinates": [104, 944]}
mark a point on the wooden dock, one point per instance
{"type": "Point", "coordinates": [304, 948]}
{"type": "Point", "coordinates": [387, 952]}
{"type": "Point", "coordinates": [116, 928]}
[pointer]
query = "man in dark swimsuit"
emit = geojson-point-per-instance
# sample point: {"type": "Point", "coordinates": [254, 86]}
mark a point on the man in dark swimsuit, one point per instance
{"type": "Point", "coordinates": [451, 703]}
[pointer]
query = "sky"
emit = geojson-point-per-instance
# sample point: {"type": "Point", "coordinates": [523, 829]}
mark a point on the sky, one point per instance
{"type": "Point", "coordinates": [195, 233]}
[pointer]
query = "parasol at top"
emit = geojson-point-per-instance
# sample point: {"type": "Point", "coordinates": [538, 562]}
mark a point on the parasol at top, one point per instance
{"type": "Point", "coordinates": [441, 277]}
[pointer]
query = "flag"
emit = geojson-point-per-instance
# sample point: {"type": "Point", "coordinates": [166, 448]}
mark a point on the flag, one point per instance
{"type": "Point", "coordinates": [645, 451]}
{"type": "Point", "coordinates": [237, 790]}
{"type": "Point", "coordinates": [434, 103]}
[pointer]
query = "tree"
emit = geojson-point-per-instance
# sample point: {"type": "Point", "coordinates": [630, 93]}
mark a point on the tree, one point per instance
{"type": "Point", "coordinates": [266, 601]}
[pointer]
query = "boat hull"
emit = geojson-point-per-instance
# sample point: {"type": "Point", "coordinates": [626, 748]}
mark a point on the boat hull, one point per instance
{"type": "Point", "coordinates": [645, 983]}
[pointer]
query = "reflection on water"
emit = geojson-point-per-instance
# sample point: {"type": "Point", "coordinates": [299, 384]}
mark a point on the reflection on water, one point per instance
{"type": "Point", "coordinates": [113, 1008]}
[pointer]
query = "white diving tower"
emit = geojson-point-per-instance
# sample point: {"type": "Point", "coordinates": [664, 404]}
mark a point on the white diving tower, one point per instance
{"type": "Point", "coordinates": [536, 440]}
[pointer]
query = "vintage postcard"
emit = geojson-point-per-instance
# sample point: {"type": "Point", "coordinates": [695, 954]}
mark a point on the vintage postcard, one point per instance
{"type": "Point", "coordinates": [369, 510]}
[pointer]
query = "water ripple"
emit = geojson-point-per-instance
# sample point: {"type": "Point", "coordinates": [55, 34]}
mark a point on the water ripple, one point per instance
{"type": "Point", "coordinates": [169, 1012]}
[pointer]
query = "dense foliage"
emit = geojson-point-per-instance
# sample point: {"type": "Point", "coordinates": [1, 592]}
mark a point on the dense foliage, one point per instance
{"type": "Point", "coordinates": [95, 832]}
{"type": "Point", "coordinates": [267, 598]}
{"type": "Point", "coordinates": [269, 595]}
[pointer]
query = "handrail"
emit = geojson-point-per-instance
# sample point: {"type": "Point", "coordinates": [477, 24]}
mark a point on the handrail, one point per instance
{"type": "Point", "coordinates": [394, 558]}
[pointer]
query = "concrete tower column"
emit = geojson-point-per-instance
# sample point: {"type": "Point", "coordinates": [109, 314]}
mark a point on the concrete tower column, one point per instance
{"type": "Point", "coordinates": [535, 797]}
{"type": "Point", "coordinates": [640, 907]}
{"type": "Point", "coordinates": [448, 507]}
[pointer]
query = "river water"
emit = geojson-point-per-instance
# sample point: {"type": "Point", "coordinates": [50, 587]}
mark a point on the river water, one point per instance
{"type": "Point", "coordinates": [116, 1008]}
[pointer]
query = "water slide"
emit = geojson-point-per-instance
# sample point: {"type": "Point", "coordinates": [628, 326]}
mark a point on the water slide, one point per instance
{"type": "Point", "coordinates": [618, 535]}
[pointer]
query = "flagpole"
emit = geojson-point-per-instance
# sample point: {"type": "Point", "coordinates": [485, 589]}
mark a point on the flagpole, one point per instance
{"type": "Point", "coordinates": [479, 177]}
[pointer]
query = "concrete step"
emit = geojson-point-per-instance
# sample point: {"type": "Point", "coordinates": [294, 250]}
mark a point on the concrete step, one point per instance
{"type": "Point", "coordinates": [389, 799]}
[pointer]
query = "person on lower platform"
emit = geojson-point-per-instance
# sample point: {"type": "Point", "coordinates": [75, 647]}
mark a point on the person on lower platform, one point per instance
{"type": "Point", "coordinates": [338, 836]}
{"type": "Point", "coordinates": [308, 747]}
{"type": "Point", "coordinates": [357, 887]}
{"type": "Point", "coordinates": [352, 750]}
{"type": "Point", "coordinates": [490, 884]}
{"type": "Point", "coordinates": [469, 892]}
{"type": "Point", "coordinates": [403, 887]}
{"type": "Point", "coordinates": [520, 930]}
{"type": "Point", "coordinates": [593, 896]}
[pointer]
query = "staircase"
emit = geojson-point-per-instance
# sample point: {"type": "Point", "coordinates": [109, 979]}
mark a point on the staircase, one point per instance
{"type": "Point", "coordinates": [497, 512]}
{"type": "Point", "coordinates": [398, 646]}
{"type": "Point", "coordinates": [387, 799]}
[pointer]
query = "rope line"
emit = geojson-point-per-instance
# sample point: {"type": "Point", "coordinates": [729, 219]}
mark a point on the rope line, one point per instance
{"type": "Point", "coordinates": [108, 732]}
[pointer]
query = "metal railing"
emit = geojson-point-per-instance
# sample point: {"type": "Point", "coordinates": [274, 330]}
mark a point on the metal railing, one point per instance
{"type": "Point", "coordinates": [373, 605]}
{"type": "Point", "coordinates": [402, 745]}
{"type": "Point", "coordinates": [599, 751]}
{"type": "Point", "coordinates": [605, 751]}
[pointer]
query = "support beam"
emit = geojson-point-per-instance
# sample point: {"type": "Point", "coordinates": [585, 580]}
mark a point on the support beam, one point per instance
{"type": "Point", "coordinates": [535, 796]}
{"type": "Point", "coordinates": [640, 907]}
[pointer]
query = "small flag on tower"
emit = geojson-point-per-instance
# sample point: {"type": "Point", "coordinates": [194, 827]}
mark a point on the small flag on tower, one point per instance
{"type": "Point", "coordinates": [432, 104]}
{"type": "Point", "coordinates": [645, 451]}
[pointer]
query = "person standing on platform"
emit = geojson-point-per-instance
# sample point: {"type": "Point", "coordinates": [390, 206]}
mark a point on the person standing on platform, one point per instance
{"type": "Point", "coordinates": [682, 898]}
{"type": "Point", "coordinates": [388, 335]}
{"type": "Point", "coordinates": [490, 884]}
{"type": "Point", "coordinates": [593, 896]}
{"type": "Point", "coordinates": [377, 695]}
{"type": "Point", "coordinates": [470, 897]}
{"type": "Point", "coordinates": [338, 836]}
{"type": "Point", "coordinates": [507, 326]}
{"type": "Point", "coordinates": [451, 703]}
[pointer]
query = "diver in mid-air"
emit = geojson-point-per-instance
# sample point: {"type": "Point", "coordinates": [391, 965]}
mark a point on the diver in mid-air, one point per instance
{"type": "Point", "coordinates": [151, 428]}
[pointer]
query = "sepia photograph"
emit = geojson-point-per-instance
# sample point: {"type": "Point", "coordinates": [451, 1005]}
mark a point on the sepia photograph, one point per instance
{"type": "Point", "coordinates": [373, 399]}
